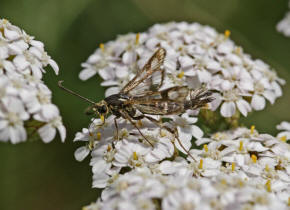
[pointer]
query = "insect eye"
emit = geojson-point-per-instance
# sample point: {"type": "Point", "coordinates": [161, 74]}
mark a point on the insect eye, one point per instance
{"type": "Point", "coordinates": [102, 109]}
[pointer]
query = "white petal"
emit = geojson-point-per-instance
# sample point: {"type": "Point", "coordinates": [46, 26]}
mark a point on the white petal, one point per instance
{"type": "Point", "coordinates": [111, 91]}
{"type": "Point", "coordinates": [196, 132]}
{"type": "Point", "coordinates": [36, 71]}
{"type": "Point", "coordinates": [284, 133]}
{"type": "Point", "coordinates": [216, 102]}
{"type": "Point", "coordinates": [17, 134]}
{"type": "Point", "coordinates": [258, 102]}
{"type": "Point", "coordinates": [8, 66]}
{"type": "Point", "coordinates": [17, 47]}
{"type": "Point", "coordinates": [284, 126]}
{"type": "Point", "coordinates": [270, 96]}
{"type": "Point", "coordinates": [228, 109]}
{"type": "Point", "coordinates": [20, 62]}
{"type": "Point", "coordinates": [277, 89]}
{"type": "Point", "coordinates": [244, 107]}
{"type": "Point", "coordinates": [227, 85]}
{"type": "Point", "coordinates": [3, 124]}
{"type": "Point", "coordinates": [49, 111]}
{"type": "Point", "coordinates": [107, 73]}
{"type": "Point", "coordinates": [166, 167]}
{"type": "Point", "coordinates": [129, 57]}
{"type": "Point", "coordinates": [54, 66]}
{"type": "Point", "coordinates": [4, 135]}
{"type": "Point", "coordinates": [81, 153]}
{"type": "Point", "coordinates": [122, 72]}
{"type": "Point", "coordinates": [47, 133]}
{"type": "Point", "coordinates": [37, 44]}
{"type": "Point", "coordinates": [87, 73]}
{"type": "Point", "coordinates": [204, 76]}
{"type": "Point", "coordinates": [62, 131]}
{"type": "Point", "coordinates": [185, 139]}
{"type": "Point", "coordinates": [11, 35]}
{"type": "Point", "coordinates": [186, 61]}
{"type": "Point", "coordinates": [100, 180]}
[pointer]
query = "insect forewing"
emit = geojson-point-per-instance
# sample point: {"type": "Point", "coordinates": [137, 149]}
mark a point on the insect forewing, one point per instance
{"type": "Point", "coordinates": [149, 78]}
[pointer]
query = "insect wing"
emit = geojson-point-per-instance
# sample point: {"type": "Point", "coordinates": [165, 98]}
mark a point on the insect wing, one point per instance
{"type": "Point", "coordinates": [150, 78]}
{"type": "Point", "coordinates": [168, 101]}
{"type": "Point", "coordinates": [177, 93]}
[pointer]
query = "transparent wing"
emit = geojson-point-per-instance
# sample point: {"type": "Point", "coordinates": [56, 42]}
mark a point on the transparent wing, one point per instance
{"type": "Point", "coordinates": [177, 93]}
{"type": "Point", "coordinates": [168, 101]}
{"type": "Point", "coordinates": [149, 78]}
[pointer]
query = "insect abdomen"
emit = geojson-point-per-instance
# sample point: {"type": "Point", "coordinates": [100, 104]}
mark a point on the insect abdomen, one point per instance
{"type": "Point", "coordinates": [160, 107]}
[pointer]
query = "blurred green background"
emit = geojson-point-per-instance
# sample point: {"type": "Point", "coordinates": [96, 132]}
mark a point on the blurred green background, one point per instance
{"type": "Point", "coordinates": [37, 176]}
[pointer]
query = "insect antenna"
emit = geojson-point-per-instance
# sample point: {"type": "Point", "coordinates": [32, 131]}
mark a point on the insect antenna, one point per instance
{"type": "Point", "coordinates": [73, 93]}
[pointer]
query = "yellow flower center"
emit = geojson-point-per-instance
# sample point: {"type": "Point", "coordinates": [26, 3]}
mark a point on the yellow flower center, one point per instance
{"type": "Point", "coordinates": [254, 158]}
{"type": "Point", "coordinates": [135, 156]}
{"type": "Point", "coordinates": [109, 148]}
{"type": "Point", "coordinates": [241, 147]}
{"type": "Point", "coordinates": [99, 135]}
{"type": "Point", "coordinates": [200, 166]}
{"type": "Point", "coordinates": [267, 168]}
{"type": "Point", "coordinates": [233, 166]}
{"type": "Point", "coordinates": [137, 38]}
{"type": "Point", "coordinates": [205, 148]}
{"type": "Point", "coordinates": [283, 138]}
{"type": "Point", "coordinates": [180, 74]}
{"type": "Point", "coordinates": [252, 129]}
{"type": "Point", "coordinates": [102, 46]}
{"type": "Point", "coordinates": [227, 33]}
{"type": "Point", "coordinates": [268, 185]}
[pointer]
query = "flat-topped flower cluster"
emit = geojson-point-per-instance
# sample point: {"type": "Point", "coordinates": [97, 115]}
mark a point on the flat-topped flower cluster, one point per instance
{"type": "Point", "coordinates": [233, 169]}
{"type": "Point", "coordinates": [196, 55]}
{"type": "Point", "coordinates": [23, 94]}
{"type": "Point", "coordinates": [142, 189]}
{"type": "Point", "coordinates": [251, 163]}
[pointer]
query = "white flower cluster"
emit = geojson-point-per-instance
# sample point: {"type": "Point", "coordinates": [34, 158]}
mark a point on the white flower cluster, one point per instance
{"type": "Point", "coordinates": [196, 55]}
{"type": "Point", "coordinates": [23, 95]}
{"type": "Point", "coordinates": [142, 189]}
{"type": "Point", "coordinates": [237, 169]}
{"type": "Point", "coordinates": [110, 155]}
{"type": "Point", "coordinates": [284, 25]}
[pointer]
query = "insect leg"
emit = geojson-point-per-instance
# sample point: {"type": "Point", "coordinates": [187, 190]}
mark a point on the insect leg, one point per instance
{"type": "Point", "coordinates": [173, 132]}
{"type": "Point", "coordinates": [117, 128]}
{"type": "Point", "coordinates": [125, 115]}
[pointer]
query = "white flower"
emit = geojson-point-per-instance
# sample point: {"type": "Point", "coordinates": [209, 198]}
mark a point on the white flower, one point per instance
{"type": "Point", "coordinates": [186, 130]}
{"type": "Point", "coordinates": [284, 25]}
{"type": "Point", "coordinates": [53, 122]}
{"type": "Point", "coordinates": [286, 133]}
{"type": "Point", "coordinates": [22, 62]}
{"type": "Point", "coordinates": [12, 115]}
{"type": "Point", "coordinates": [233, 99]}
{"type": "Point", "coordinates": [139, 189]}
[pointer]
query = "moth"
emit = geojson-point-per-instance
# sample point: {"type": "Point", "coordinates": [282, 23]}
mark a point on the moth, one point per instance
{"type": "Point", "coordinates": [142, 97]}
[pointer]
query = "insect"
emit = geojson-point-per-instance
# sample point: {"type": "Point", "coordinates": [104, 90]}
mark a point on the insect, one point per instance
{"type": "Point", "coordinates": [142, 97]}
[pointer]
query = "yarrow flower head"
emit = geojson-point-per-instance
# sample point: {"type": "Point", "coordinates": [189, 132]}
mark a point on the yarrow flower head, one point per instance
{"type": "Point", "coordinates": [142, 189]}
{"type": "Point", "coordinates": [153, 163]}
{"type": "Point", "coordinates": [196, 55]}
{"type": "Point", "coordinates": [25, 101]}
